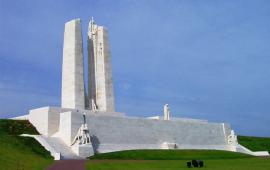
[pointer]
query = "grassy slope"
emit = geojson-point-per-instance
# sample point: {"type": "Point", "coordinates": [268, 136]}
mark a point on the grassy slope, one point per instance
{"type": "Point", "coordinates": [176, 159]}
{"type": "Point", "coordinates": [255, 143]}
{"type": "Point", "coordinates": [214, 164]}
{"type": "Point", "coordinates": [21, 152]}
{"type": "Point", "coordinates": [169, 155]}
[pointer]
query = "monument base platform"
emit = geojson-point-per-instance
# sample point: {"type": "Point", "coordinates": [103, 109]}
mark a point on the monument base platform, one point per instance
{"type": "Point", "coordinates": [112, 131]}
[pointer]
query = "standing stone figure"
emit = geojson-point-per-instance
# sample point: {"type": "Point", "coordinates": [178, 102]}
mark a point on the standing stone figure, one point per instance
{"type": "Point", "coordinates": [166, 112]}
{"type": "Point", "coordinates": [94, 106]}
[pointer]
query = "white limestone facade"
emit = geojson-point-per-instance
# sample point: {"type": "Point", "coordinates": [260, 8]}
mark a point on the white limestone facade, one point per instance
{"type": "Point", "coordinates": [107, 133]}
{"type": "Point", "coordinates": [46, 119]}
{"type": "Point", "coordinates": [100, 83]}
{"type": "Point", "coordinates": [73, 92]}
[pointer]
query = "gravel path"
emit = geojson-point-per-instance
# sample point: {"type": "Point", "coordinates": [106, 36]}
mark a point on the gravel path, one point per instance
{"type": "Point", "coordinates": [68, 165]}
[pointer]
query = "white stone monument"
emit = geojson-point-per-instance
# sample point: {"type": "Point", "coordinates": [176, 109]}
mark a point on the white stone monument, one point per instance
{"type": "Point", "coordinates": [100, 85]}
{"type": "Point", "coordinates": [65, 135]}
{"type": "Point", "coordinates": [73, 93]}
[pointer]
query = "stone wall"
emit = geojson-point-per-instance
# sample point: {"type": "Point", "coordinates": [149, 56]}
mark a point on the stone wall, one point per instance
{"type": "Point", "coordinates": [112, 133]}
{"type": "Point", "coordinates": [124, 130]}
{"type": "Point", "coordinates": [118, 132]}
{"type": "Point", "coordinates": [46, 119]}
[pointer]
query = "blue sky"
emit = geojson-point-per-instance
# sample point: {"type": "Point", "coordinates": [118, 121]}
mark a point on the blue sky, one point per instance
{"type": "Point", "coordinates": [208, 59]}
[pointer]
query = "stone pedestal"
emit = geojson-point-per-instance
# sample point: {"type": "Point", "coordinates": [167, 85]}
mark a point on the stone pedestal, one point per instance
{"type": "Point", "coordinates": [84, 150]}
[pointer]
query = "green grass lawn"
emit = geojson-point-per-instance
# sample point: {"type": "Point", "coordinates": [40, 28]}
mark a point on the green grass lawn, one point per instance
{"type": "Point", "coordinates": [17, 153]}
{"type": "Point", "coordinates": [210, 164]}
{"type": "Point", "coordinates": [169, 155]}
{"type": "Point", "coordinates": [176, 159]}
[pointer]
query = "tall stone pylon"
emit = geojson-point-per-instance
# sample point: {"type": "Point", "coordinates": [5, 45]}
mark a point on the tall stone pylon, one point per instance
{"type": "Point", "coordinates": [100, 84]}
{"type": "Point", "coordinates": [73, 92]}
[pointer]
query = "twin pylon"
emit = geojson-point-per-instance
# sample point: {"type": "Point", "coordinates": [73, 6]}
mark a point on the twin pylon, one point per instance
{"type": "Point", "coordinates": [100, 96]}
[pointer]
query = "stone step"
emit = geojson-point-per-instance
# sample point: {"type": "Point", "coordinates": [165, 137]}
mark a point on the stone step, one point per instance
{"type": "Point", "coordinates": [58, 145]}
{"type": "Point", "coordinates": [245, 150]}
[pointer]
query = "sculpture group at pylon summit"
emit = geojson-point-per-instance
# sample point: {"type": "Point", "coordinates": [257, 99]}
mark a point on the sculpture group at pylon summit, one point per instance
{"type": "Point", "coordinates": [87, 123]}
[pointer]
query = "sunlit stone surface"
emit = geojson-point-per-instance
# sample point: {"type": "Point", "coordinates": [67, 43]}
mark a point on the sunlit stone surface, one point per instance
{"type": "Point", "coordinates": [73, 94]}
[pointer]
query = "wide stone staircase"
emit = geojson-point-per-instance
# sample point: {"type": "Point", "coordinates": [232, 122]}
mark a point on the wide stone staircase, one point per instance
{"type": "Point", "coordinates": [60, 147]}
